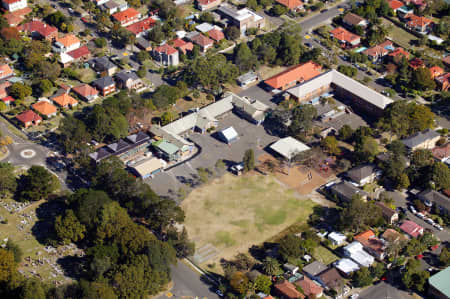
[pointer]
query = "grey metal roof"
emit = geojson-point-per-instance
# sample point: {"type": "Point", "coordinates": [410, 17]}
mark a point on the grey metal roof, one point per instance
{"type": "Point", "coordinates": [347, 190]}
{"type": "Point", "coordinates": [100, 154]}
{"type": "Point", "coordinates": [383, 290]}
{"type": "Point", "coordinates": [124, 76]}
{"type": "Point", "coordinates": [247, 77]}
{"type": "Point", "coordinates": [315, 268]}
{"type": "Point", "coordinates": [102, 63]}
{"type": "Point", "coordinates": [419, 138]}
{"type": "Point", "coordinates": [111, 4]}
{"type": "Point", "coordinates": [143, 42]}
{"type": "Point", "coordinates": [119, 145]}
{"type": "Point", "coordinates": [358, 173]}
{"type": "Point", "coordinates": [334, 77]}
{"type": "Point", "coordinates": [140, 136]}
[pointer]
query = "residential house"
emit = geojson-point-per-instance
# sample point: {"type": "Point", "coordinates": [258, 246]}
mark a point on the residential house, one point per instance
{"type": "Point", "coordinates": [86, 92]}
{"type": "Point", "coordinates": [294, 5]}
{"type": "Point", "coordinates": [345, 191]}
{"type": "Point", "coordinates": [5, 71]}
{"type": "Point", "coordinates": [419, 24]}
{"type": "Point", "coordinates": [127, 17]}
{"type": "Point", "coordinates": [14, 5]}
{"type": "Point", "coordinates": [353, 20]}
{"type": "Point", "coordinates": [436, 71]}
{"type": "Point", "coordinates": [216, 35]}
{"type": "Point", "coordinates": [66, 44]}
{"type": "Point", "coordinates": [110, 7]}
{"type": "Point", "coordinates": [181, 45]}
{"type": "Point", "coordinates": [356, 252]}
{"type": "Point", "coordinates": [147, 168]}
{"type": "Point", "coordinates": [45, 108]}
{"type": "Point", "coordinates": [446, 60]}
{"type": "Point", "coordinates": [345, 37]}
{"type": "Point", "coordinates": [8, 100]}
{"type": "Point", "coordinates": [422, 140]}
{"type": "Point", "coordinates": [314, 269]}
{"type": "Point", "coordinates": [3, 87]}
{"type": "Point", "coordinates": [29, 118]}
{"type": "Point", "coordinates": [310, 288]}
{"type": "Point", "coordinates": [143, 44]}
{"type": "Point", "coordinates": [332, 280]}
{"type": "Point", "coordinates": [65, 101]}
{"type": "Point", "coordinates": [437, 199]}
{"type": "Point", "coordinates": [287, 290]}
{"type": "Point", "coordinates": [420, 4]}
{"type": "Point", "coordinates": [363, 174]}
{"type": "Point", "coordinates": [105, 85]}
{"type": "Point", "coordinates": [398, 53]}
{"type": "Point", "coordinates": [128, 80]}
{"type": "Point", "coordinates": [376, 53]}
{"type": "Point", "coordinates": [16, 17]}
{"type": "Point", "coordinates": [294, 75]}
{"type": "Point", "coordinates": [243, 18]}
{"type": "Point", "coordinates": [336, 239]}
{"type": "Point", "coordinates": [77, 55]}
{"type": "Point", "coordinates": [38, 29]}
{"type": "Point", "coordinates": [443, 81]}
{"type": "Point", "coordinates": [202, 41]}
{"type": "Point", "coordinates": [391, 235]}
{"type": "Point", "coordinates": [389, 214]}
{"type": "Point", "coordinates": [403, 12]}
{"type": "Point", "coordinates": [167, 150]}
{"type": "Point", "coordinates": [166, 55]}
{"type": "Point", "coordinates": [346, 266]}
{"type": "Point", "coordinates": [103, 65]}
{"type": "Point", "coordinates": [439, 286]}
{"type": "Point", "coordinates": [395, 5]}
{"type": "Point", "coordinates": [411, 228]}
{"type": "Point", "coordinates": [416, 63]}
{"type": "Point", "coordinates": [441, 153]}
{"type": "Point", "coordinates": [141, 27]}
{"type": "Point", "coordinates": [203, 5]}
{"type": "Point", "coordinates": [371, 244]}
{"type": "Point", "coordinates": [100, 2]}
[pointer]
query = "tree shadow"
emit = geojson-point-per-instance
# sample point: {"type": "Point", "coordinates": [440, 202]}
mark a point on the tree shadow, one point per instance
{"type": "Point", "coordinates": [73, 266]}
{"type": "Point", "coordinates": [43, 230]}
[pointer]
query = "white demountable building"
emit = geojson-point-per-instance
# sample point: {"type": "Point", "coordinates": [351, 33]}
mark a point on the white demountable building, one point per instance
{"type": "Point", "coordinates": [336, 238]}
{"type": "Point", "coordinates": [356, 252]}
{"type": "Point", "coordinates": [289, 147]}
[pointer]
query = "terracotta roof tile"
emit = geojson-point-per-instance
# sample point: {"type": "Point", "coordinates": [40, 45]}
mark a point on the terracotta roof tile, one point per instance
{"type": "Point", "coordinates": [343, 34]}
{"type": "Point", "coordinates": [80, 52]}
{"type": "Point", "coordinates": [309, 287]}
{"type": "Point", "coordinates": [436, 71]}
{"type": "Point", "coordinates": [399, 51]}
{"type": "Point", "coordinates": [352, 19]}
{"type": "Point", "coordinates": [216, 34]}
{"type": "Point", "coordinates": [68, 40]}
{"type": "Point", "coordinates": [395, 4]}
{"type": "Point", "coordinates": [126, 14]}
{"type": "Point", "coordinates": [85, 90]}
{"type": "Point", "coordinates": [202, 40]}
{"type": "Point", "coordinates": [44, 108]}
{"type": "Point", "coordinates": [291, 4]}
{"type": "Point", "coordinates": [141, 26]}
{"type": "Point", "coordinates": [299, 73]}
{"type": "Point", "coordinates": [288, 290]}
{"type": "Point", "coordinates": [64, 100]}
{"type": "Point", "coordinates": [28, 116]}
{"type": "Point", "coordinates": [5, 71]}
{"type": "Point", "coordinates": [167, 49]}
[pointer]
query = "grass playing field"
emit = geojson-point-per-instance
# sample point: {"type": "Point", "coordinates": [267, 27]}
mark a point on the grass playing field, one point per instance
{"type": "Point", "coordinates": [233, 213]}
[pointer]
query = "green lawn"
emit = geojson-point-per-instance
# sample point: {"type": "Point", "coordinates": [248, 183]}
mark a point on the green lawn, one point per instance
{"type": "Point", "coordinates": [324, 255]}
{"type": "Point", "coordinates": [233, 213]}
{"type": "Point", "coordinates": [399, 35]}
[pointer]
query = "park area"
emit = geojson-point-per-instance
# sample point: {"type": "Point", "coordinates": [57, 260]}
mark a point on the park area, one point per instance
{"type": "Point", "coordinates": [233, 213]}
{"type": "Point", "coordinates": [23, 223]}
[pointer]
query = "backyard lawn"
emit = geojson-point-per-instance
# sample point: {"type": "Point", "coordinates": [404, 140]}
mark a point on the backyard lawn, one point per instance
{"type": "Point", "coordinates": [232, 213]}
{"type": "Point", "coordinates": [399, 35]}
{"type": "Point", "coordinates": [324, 255]}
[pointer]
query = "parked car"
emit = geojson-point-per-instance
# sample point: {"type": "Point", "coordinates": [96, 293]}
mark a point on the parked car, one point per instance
{"type": "Point", "coordinates": [420, 215]}
{"type": "Point", "coordinates": [438, 226]}
{"type": "Point", "coordinates": [324, 10]}
{"type": "Point", "coordinates": [428, 203]}
{"type": "Point", "coordinates": [219, 292]}
{"type": "Point", "coordinates": [83, 19]}
{"type": "Point", "coordinates": [430, 221]}
{"type": "Point", "coordinates": [70, 10]}
{"type": "Point", "coordinates": [419, 257]}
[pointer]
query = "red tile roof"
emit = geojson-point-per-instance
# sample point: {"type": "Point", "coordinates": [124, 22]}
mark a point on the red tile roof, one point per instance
{"type": "Point", "coordinates": [68, 40]}
{"type": "Point", "coordinates": [376, 51]}
{"type": "Point", "coordinates": [416, 21]}
{"type": "Point", "coordinates": [369, 240]}
{"type": "Point", "coordinates": [28, 116]}
{"type": "Point", "coordinates": [5, 71]}
{"type": "Point", "coordinates": [395, 4]}
{"type": "Point", "coordinates": [126, 14]}
{"type": "Point", "coordinates": [44, 108]}
{"type": "Point", "coordinates": [10, 1]}
{"type": "Point", "coordinates": [85, 90]}
{"type": "Point", "coordinates": [411, 228]}
{"type": "Point", "coordinates": [441, 152]}
{"type": "Point", "coordinates": [446, 60]}
{"type": "Point", "coordinates": [415, 63]}
{"type": "Point", "coordinates": [291, 4]}
{"type": "Point", "coordinates": [8, 99]}
{"type": "Point", "coordinates": [436, 71]}
{"type": "Point", "coordinates": [40, 27]}
{"type": "Point", "coordinates": [64, 100]}
{"type": "Point", "coordinates": [166, 49]}
{"type": "Point", "coordinates": [288, 290]}
{"type": "Point", "coordinates": [309, 287]}
{"type": "Point", "coordinates": [399, 51]}
{"type": "Point", "coordinates": [205, 2]}
{"type": "Point", "coordinates": [345, 35]}
{"type": "Point", "coordinates": [216, 34]}
{"type": "Point", "coordinates": [298, 73]}
{"type": "Point", "coordinates": [182, 45]}
{"type": "Point", "coordinates": [202, 40]}
{"type": "Point", "coordinates": [141, 26]}
{"type": "Point", "coordinates": [80, 52]}
{"type": "Point", "coordinates": [12, 19]}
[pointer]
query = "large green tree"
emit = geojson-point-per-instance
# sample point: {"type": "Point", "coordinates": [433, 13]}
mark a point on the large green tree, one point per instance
{"type": "Point", "coordinates": [359, 215]}
{"type": "Point", "coordinates": [68, 228]}
{"type": "Point", "coordinates": [8, 181]}
{"type": "Point", "coordinates": [38, 183]}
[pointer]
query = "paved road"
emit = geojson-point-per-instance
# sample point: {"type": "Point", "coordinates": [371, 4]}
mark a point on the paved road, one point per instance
{"type": "Point", "coordinates": [322, 18]}
{"type": "Point", "coordinates": [188, 283]}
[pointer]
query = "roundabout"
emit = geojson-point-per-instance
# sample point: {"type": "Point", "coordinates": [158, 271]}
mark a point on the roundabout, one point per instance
{"type": "Point", "coordinates": [27, 153]}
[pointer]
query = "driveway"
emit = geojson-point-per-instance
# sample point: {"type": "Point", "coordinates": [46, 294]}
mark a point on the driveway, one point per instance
{"type": "Point", "coordinates": [260, 94]}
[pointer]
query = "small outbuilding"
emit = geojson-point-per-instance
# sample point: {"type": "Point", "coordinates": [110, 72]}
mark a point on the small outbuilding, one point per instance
{"type": "Point", "coordinates": [247, 78]}
{"type": "Point", "coordinates": [336, 238]}
{"type": "Point", "coordinates": [228, 135]}
{"type": "Point", "coordinates": [148, 168]}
